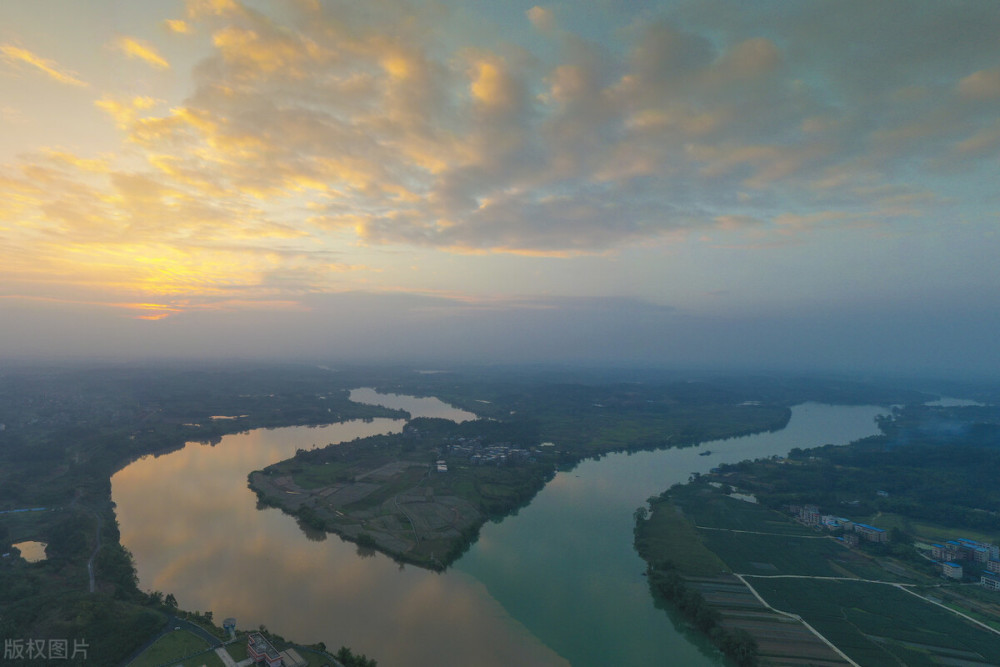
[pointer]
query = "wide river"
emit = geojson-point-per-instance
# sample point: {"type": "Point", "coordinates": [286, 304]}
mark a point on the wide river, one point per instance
{"type": "Point", "coordinates": [558, 583]}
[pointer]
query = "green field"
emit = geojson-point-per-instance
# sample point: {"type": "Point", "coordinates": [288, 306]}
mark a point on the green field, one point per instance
{"type": "Point", "coordinates": [709, 507]}
{"type": "Point", "coordinates": [668, 536]}
{"type": "Point", "coordinates": [875, 624]}
{"type": "Point", "coordinates": [749, 553]}
{"type": "Point", "coordinates": [932, 532]}
{"type": "Point", "coordinates": [175, 646]}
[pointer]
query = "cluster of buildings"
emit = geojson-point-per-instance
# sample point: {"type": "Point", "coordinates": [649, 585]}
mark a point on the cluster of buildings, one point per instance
{"type": "Point", "coordinates": [854, 531]}
{"type": "Point", "coordinates": [262, 652]}
{"type": "Point", "coordinates": [956, 556]}
{"type": "Point", "coordinates": [501, 453]}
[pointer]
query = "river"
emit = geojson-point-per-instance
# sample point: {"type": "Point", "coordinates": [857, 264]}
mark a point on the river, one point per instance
{"type": "Point", "coordinates": [557, 583]}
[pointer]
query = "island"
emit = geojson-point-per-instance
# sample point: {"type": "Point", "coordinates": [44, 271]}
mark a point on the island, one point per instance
{"type": "Point", "coordinates": [422, 495]}
{"type": "Point", "coordinates": [419, 496]}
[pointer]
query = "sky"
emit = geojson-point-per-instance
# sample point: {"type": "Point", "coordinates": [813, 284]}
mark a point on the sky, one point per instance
{"type": "Point", "coordinates": [807, 185]}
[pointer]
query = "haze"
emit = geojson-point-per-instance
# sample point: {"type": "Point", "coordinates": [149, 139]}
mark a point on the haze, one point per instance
{"type": "Point", "coordinates": [714, 183]}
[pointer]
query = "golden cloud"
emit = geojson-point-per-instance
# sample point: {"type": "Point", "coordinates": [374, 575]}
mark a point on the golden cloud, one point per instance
{"type": "Point", "coordinates": [179, 26]}
{"type": "Point", "coordinates": [15, 54]}
{"type": "Point", "coordinates": [135, 48]}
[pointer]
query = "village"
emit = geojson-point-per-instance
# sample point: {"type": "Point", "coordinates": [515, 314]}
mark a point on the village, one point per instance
{"type": "Point", "coordinates": [961, 559]}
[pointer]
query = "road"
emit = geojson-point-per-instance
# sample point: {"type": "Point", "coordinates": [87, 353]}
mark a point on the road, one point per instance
{"type": "Point", "coordinates": [97, 547]}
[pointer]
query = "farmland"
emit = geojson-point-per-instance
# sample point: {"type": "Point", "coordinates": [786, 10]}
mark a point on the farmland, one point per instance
{"type": "Point", "coordinates": [865, 603]}
{"type": "Point", "coordinates": [880, 624]}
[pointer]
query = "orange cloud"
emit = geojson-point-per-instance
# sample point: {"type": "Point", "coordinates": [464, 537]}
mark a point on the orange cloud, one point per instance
{"type": "Point", "coordinates": [134, 48]}
{"type": "Point", "coordinates": [14, 54]}
{"type": "Point", "coordinates": [179, 26]}
{"type": "Point", "coordinates": [125, 112]}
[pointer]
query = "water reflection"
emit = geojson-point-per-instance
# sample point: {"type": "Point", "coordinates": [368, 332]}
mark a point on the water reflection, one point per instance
{"type": "Point", "coordinates": [417, 407]}
{"type": "Point", "coordinates": [194, 528]}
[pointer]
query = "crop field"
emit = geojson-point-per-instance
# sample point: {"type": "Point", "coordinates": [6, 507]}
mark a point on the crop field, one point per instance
{"type": "Point", "coordinates": [879, 624]}
{"type": "Point", "coordinates": [780, 640]}
{"type": "Point", "coordinates": [719, 511]}
{"type": "Point", "coordinates": [749, 553]}
{"type": "Point", "coordinates": [668, 536]}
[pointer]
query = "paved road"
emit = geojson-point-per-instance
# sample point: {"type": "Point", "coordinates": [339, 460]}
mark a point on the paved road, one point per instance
{"type": "Point", "coordinates": [97, 547]}
{"type": "Point", "coordinates": [227, 659]}
{"type": "Point", "coordinates": [757, 532]}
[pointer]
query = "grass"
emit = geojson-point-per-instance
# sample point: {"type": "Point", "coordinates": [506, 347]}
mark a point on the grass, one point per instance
{"type": "Point", "coordinates": [748, 553]}
{"type": "Point", "coordinates": [667, 535]}
{"type": "Point", "coordinates": [174, 647]}
{"type": "Point", "coordinates": [238, 649]}
{"type": "Point", "coordinates": [708, 507]}
{"type": "Point", "coordinates": [932, 532]}
{"type": "Point", "coordinates": [327, 474]}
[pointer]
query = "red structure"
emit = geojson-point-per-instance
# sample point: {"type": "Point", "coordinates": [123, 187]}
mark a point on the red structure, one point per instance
{"type": "Point", "coordinates": [260, 651]}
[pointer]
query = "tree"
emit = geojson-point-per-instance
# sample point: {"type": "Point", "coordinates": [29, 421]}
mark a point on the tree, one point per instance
{"type": "Point", "coordinates": [640, 514]}
{"type": "Point", "coordinates": [741, 647]}
{"type": "Point", "coordinates": [170, 600]}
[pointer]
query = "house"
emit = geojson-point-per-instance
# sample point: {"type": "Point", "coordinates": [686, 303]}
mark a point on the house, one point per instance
{"type": "Point", "coordinates": [951, 570]}
{"type": "Point", "coordinates": [871, 533]}
{"type": "Point", "coordinates": [954, 550]}
{"type": "Point", "coordinates": [832, 522]}
{"type": "Point", "coordinates": [259, 650]}
{"type": "Point", "coordinates": [809, 515]}
{"type": "Point", "coordinates": [990, 581]}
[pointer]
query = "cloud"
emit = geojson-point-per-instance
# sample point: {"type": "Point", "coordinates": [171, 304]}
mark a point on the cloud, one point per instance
{"type": "Point", "coordinates": [178, 26]}
{"type": "Point", "coordinates": [16, 54]}
{"type": "Point", "coordinates": [126, 111]}
{"type": "Point", "coordinates": [311, 129]}
{"type": "Point", "coordinates": [983, 85]}
{"type": "Point", "coordinates": [408, 145]}
{"type": "Point", "coordinates": [135, 48]}
{"type": "Point", "coordinates": [541, 17]}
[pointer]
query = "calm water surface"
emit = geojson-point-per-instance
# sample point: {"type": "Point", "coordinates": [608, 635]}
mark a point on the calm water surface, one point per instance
{"type": "Point", "coordinates": [558, 583]}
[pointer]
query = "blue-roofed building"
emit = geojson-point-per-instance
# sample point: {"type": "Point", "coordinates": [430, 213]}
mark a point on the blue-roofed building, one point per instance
{"type": "Point", "coordinates": [990, 581]}
{"type": "Point", "coordinates": [871, 533]}
{"type": "Point", "coordinates": [951, 570]}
